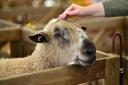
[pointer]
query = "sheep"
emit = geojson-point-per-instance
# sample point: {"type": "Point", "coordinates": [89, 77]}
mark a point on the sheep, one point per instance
{"type": "Point", "coordinates": [60, 43]}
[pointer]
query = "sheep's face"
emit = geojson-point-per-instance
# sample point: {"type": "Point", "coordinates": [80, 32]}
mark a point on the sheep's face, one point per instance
{"type": "Point", "coordinates": [70, 39]}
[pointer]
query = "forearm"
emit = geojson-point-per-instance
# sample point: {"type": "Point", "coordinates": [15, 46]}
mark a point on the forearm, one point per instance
{"type": "Point", "coordinates": [94, 10]}
{"type": "Point", "coordinates": [115, 8]}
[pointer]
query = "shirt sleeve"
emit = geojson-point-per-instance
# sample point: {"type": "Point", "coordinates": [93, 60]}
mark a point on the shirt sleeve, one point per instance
{"type": "Point", "coordinates": [115, 8]}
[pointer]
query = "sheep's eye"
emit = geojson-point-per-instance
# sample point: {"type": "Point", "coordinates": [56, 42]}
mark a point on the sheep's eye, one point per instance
{"type": "Point", "coordinates": [57, 35]}
{"type": "Point", "coordinates": [40, 38]}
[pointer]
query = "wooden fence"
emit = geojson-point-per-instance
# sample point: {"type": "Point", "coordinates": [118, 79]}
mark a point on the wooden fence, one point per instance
{"type": "Point", "coordinates": [72, 75]}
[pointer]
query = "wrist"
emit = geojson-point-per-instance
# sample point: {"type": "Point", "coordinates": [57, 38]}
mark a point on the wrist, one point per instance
{"type": "Point", "coordinates": [86, 11]}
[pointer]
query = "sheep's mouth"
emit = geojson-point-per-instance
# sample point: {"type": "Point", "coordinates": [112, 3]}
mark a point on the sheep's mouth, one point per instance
{"type": "Point", "coordinates": [80, 62]}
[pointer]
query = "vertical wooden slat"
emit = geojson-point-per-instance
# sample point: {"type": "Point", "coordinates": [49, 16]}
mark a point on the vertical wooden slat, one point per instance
{"type": "Point", "coordinates": [16, 49]}
{"type": "Point", "coordinates": [112, 66]}
{"type": "Point", "coordinates": [126, 72]}
{"type": "Point", "coordinates": [126, 35]}
{"type": "Point", "coordinates": [16, 46]}
{"type": "Point", "coordinates": [28, 44]}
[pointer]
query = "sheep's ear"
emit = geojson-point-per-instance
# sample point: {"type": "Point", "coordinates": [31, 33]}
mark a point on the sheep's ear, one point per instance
{"type": "Point", "coordinates": [38, 38]}
{"type": "Point", "coordinates": [84, 28]}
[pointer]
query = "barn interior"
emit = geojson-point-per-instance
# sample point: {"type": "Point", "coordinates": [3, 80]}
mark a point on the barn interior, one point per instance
{"type": "Point", "coordinates": [21, 18]}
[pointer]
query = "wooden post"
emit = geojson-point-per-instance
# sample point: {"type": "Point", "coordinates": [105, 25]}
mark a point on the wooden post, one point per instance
{"type": "Point", "coordinates": [112, 73]}
{"type": "Point", "coordinates": [11, 34]}
{"type": "Point", "coordinates": [16, 49]}
{"type": "Point", "coordinates": [126, 72]}
{"type": "Point", "coordinates": [29, 46]}
{"type": "Point", "coordinates": [126, 35]}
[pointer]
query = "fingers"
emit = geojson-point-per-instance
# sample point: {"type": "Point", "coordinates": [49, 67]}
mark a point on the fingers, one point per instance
{"type": "Point", "coordinates": [72, 7]}
{"type": "Point", "coordinates": [63, 16]}
{"type": "Point", "coordinates": [70, 11]}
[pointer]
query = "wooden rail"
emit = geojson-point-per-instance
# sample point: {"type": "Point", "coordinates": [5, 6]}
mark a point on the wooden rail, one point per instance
{"type": "Point", "coordinates": [9, 34]}
{"type": "Point", "coordinates": [71, 75]}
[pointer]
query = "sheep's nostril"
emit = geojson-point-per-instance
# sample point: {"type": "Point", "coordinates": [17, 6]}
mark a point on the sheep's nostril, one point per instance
{"type": "Point", "coordinates": [88, 47]}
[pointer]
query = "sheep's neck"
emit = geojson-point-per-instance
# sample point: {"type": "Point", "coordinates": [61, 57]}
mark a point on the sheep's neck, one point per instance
{"type": "Point", "coordinates": [49, 56]}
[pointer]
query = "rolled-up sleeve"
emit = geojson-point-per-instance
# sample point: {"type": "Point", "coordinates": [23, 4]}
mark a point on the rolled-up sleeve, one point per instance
{"type": "Point", "coordinates": [115, 8]}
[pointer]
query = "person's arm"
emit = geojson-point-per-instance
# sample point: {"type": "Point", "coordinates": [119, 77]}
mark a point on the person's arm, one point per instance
{"type": "Point", "coordinates": [94, 10]}
{"type": "Point", "coordinates": [76, 10]}
{"type": "Point", "coordinates": [115, 8]}
{"type": "Point", "coordinates": [106, 8]}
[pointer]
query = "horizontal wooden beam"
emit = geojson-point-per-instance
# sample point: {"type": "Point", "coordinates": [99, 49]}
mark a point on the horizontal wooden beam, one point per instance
{"type": "Point", "coordinates": [68, 75]}
{"type": "Point", "coordinates": [7, 23]}
{"type": "Point", "coordinates": [33, 13]}
{"type": "Point", "coordinates": [102, 22]}
{"type": "Point", "coordinates": [10, 34]}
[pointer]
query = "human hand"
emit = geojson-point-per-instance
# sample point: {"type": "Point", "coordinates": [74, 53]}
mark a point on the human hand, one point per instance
{"type": "Point", "coordinates": [73, 10]}
{"type": "Point", "coordinates": [77, 10]}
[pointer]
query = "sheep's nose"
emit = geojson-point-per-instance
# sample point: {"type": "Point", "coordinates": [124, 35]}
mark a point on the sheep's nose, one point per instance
{"type": "Point", "coordinates": [88, 47]}
{"type": "Point", "coordinates": [87, 54]}
{"type": "Point", "coordinates": [88, 50]}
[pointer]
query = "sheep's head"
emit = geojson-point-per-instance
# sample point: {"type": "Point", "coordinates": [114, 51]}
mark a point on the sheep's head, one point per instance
{"type": "Point", "coordinates": [70, 39]}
